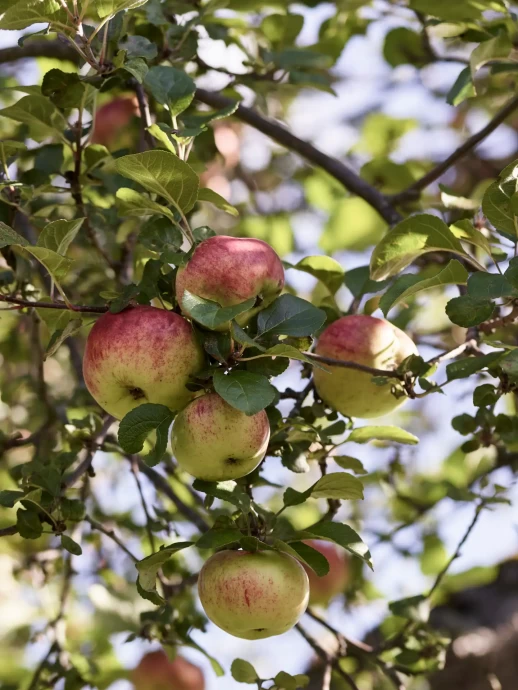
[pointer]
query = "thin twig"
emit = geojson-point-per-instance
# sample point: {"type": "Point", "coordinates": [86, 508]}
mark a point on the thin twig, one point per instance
{"type": "Point", "coordinates": [337, 169]}
{"type": "Point", "coordinates": [458, 550]}
{"type": "Point", "coordinates": [327, 658]}
{"type": "Point", "coordinates": [86, 463]}
{"type": "Point", "coordinates": [346, 364]}
{"type": "Point", "coordinates": [111, 534]}
{"type": "Point", "coordinates": [135, 470]}
{"type": "Point", "coordinates": [53, 305]}
{"type": "Point", "coordinates": [412, 192]}
{"type": "Point", "coordinates": [161, 484]}
{"type": "Point", "coordinates": [35, 682]}
{"type": "Point", "coordinates": [145, 115]}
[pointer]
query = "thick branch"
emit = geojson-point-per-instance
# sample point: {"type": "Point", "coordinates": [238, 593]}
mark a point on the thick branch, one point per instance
{"type": "Point", "coordinates": [8, 531]}
{"type": "Point", "coordinates": [35, 49]}
{"type": "Point", "coordinates": [340, 171]}
{"type": "Point", "coordinates": [413, 191]}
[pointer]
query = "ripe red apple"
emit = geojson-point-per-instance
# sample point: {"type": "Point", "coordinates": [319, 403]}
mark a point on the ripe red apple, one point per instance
{"type": "Point", "coordinates": [212, 440]}
{"type": "Point", "coordinates": [112, 121]}
{"type": "Point", "coordinates": [365, 340]}
{"type": "Point", "coordinates": [323, 589]}
{"type": "Point", "coordinates": [231, 270]}
{"type": "Point", "coordinates": [253, 595]}
{"type": "Point", "coordinates": [156, 672]}
{"type": "Point", "coordinates": [142, 354]}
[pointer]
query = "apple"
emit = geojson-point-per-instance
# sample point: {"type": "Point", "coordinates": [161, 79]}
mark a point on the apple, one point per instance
{"type": "Point", "coordinates": [213, 441]}
{"type": "Point", "coordinates": [112, 123]}
{"type": "Point", "coordinates": [253, 595]}
{"type": "Point", "coordinates": [157, 672]}
{"type": "Point", "coordinates": [231, 270]}
{"type": "Point", "coordinates": [365, 340]}
{"type": "Point", "coordinates": [142, 354]}
{"type": "Point", "coordinates": [323, 589]}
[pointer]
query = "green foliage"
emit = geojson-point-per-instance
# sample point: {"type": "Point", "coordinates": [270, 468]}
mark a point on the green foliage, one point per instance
{"type": "Point", "coordinates": [97, 218]}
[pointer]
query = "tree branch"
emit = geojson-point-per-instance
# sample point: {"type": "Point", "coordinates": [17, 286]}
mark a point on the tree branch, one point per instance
{"type": "Point", "coordinates": [346, 364]}
{"type": "Point", "coordinates": [34, 49]}
{"type": "Point", "coordinates": [111, 534]}
{"type": "Point", "coordinates": [327, 658]}
{"type": "Point", "coordinates": [340, 171]}
{"type": "Point", "coordinates": [413, 192]}
{"type": "Point", "coordinates": [53, 305]}
{"type": "Point", "coordinates": [85, 464]}
{"type": "Point", "coordinates": [8, 531]}
{"type": "Point", "coordinates": [161, 484]}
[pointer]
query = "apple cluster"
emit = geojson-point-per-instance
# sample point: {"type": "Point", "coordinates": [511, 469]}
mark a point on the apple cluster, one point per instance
{"type": "Point", "coordinates": [148, 354]}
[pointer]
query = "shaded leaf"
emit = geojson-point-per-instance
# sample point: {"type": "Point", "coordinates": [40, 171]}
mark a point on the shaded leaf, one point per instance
{"type": "Point", "coordinates": [245, 391]}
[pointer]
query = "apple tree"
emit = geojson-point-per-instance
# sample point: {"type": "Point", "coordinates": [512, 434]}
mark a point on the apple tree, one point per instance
{"type": "Point", "coordinates": [246, 347]}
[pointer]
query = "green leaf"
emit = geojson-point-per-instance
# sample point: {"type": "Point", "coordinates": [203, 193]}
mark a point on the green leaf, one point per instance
{"type": "Point", "coordinates": [64, 89]}
{"type": "Point", "coordinates": [27, 12]}
{"type": "Point", "coordinates": [39, 114]}
{"type": "Point", "coordinates": [409, 240]}
{"type": "Point", "coordinates": [340, 534]}
{"type": "Point", "coordinates": [206, 194]}
{"type": "Point", "coordinates": [394, 434]}
{"type": "Point", "coordinates": [160, 235]}
{"type": "Point", "coordinates": [465, 230]}
{"type": "Point", "coordinates": [408, 285]}
{"type": "Point", "coordinates": [359, 283]}
{"type": "Point", "coordinates": [70, 545]}
{"type": "Point", "coordinates": [139, 46]}
{"type": "Point", "coordinates": [133, 203]}
{"type": "Point", "coordinates": [290, 315]}
{"type": "Point", "coordinates": [227, 491]}
{"type": "Point", "coordinates": [10, 148]}
{"type": "Point", "coordinates": [108, 8]}
{"type": "Point", "coordinates": [313, 558]}
{"type": "Point", "coordinates": [498, 47]}
{"type": "Point", "coordinates": [469, 311]}
{"type": "Point", "coordinates": [58, 337]}
{"type": "Point", "coordinates": [462, 89]}
{"type": "Point", "coordinates": [149, 567]}
{"type": "Point", "coordinates": [72, 509]}
{"type": "Point", "coordinates": [170, 86]}
{"type": "Point", "coordinates": [285, 681]}
{"type": "Point", "coordinates": [416, 608]}
{"type": "Point", "coordinates": [467, 366]}
{"type": "Point", "coordinates": [497, 207]}
{"type": "Point", "coordinates": [8, 497]}
{"type": "Point", "coordinates": [163, 173]}
{"type": "Point", "coordinates": [28, 524]}
{"type": "Point", "coordinates": [216, 537]}
{"type": "Point", "coordinates": [282, 350]}
{"type": "Point", "coordinates": [282, 29]}
{"type": "Point", "coordinates": [456, 11]}
{"type": "Point", "coordinates": [9, 236]}
{"type": "Point", "coordinates": [139, 423]}
{"type": "Point", "coordinates": [324, 268]}
{"type": "Point", "coordinates": [245, 391]}
{"type": "Point", "coordinates": [338, 485]}
{"type": "Point", "coordinates": [405, 47]}
{"type": "Point", "coordinates": [490, 286]}
{"type": "Point", "coordinates": [242, 337]}
{"type": "Point", "coordinates": [137, 67]}
{"type": "Point", "coordinates": [58, 266]}
{"type": "Point", "coordinates": [162, 136]}
{"type": "Point", "coordinates": [211, 314]}
{"type": "Point", "coordinates": [58, 235]}
{"type": "Point", "coordinates": [347, 462]}
{"type": "Point", "coordinates": [243, 672]}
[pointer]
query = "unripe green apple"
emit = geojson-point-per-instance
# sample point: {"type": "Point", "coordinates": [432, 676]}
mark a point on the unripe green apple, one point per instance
{"type": "Point", "coordinates": [365, 340]}
{"type": "Point", "coordinates": [213, 441]}
{"type": "Point", "coordinates": [253, 595]}
{"type": "Point", "coordinates": [156, 672]}
{"type": "Point", "coordinates": [231, 270]}
{"type": "Point", "coordinates": [323, 589]}
{"type": "Point", "coordinates": [141, 354]}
